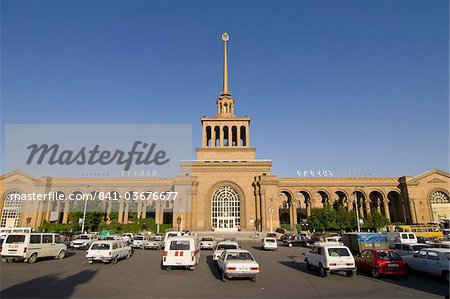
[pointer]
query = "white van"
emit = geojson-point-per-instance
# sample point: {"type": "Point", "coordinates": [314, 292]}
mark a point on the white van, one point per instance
{"type": "Point", "coordinates": [181, 251]}
{"type": "Point", "coordinates": [401, 238]}
{"type": "Point", "coordinates": [108, 251]}
{"type": "Point", "coordinates": [28, 247]}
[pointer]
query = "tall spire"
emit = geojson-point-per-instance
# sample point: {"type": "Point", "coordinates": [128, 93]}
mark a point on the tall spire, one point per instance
{"type": "Point", "coordinates": [225, 38]}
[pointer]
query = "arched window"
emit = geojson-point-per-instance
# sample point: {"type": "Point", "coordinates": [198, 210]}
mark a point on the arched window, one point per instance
{"type": "Point", "coordinates": [439, 197]}
{"type": "Point", "coordinates": [217, 133]}
{"type": "Point", "coordinates": [243, 141]}
{"type": "Point", "coordinates": [12, 209]}
{"type": "Point", "coordinates": [225, 136]}
{"type": "Point", "coordinates": [208, 136]}
{"type": "Point", "coordinates": [226, 209]}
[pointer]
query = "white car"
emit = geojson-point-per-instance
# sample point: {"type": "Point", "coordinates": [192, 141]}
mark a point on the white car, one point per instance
{"type": "Point", "coordinates": [139, 241]}
{"type": "Point", "coordinates": [154, 242]}
{"type": "Point", "coordinates": [270, 244]}
{"type": "Point", "coordinates": [28, 247]}
{"type": "Point", "coordinates": [207, 243]}
{"type": "Point", "coordinates": [83, 241]}
{"type": "Point", "coordinates": [127, 237]}
{"type": "Point", "coordinates": [224, 245]}
{"type": "Point", "coordinates": [434, 261]}
{"type": "Point", "coordinates": [108, 251]}
{"type": "Point", "coordinates": [409, 249]}
{"type": "Point", "coordinates": [237, 263]}
{"type": "Point", "coordinates": [330, 257]}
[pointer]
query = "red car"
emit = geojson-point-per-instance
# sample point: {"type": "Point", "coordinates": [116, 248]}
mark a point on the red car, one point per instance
{"type": "Point", "coordinates": [381, 262]}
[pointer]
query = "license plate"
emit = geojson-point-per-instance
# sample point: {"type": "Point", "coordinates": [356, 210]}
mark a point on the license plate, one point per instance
{"type": "Point", "coordinates": [393, 265]}
{"type": "Point", "coordinates": [242, 269]}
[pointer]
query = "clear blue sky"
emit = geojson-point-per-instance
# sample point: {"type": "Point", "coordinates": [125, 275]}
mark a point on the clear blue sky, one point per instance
{"type": "Point", "coordinates": [347, 86]}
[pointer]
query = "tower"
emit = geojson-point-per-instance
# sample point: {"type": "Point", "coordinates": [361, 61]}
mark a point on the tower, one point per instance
{"type": "Point", "coordinates": [225, 136]}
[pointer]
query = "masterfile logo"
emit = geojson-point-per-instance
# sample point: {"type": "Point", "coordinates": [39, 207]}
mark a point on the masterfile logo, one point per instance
{"type": "Point", "coordinates": [97, 150]}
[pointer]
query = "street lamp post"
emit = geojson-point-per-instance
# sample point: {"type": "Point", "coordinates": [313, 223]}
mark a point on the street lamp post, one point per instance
{"type": "Point", "coordinates": [85, 208]}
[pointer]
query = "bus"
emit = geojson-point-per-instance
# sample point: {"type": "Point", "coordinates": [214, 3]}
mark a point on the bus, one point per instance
{"type": "Point", "coordinates": [421, 230]}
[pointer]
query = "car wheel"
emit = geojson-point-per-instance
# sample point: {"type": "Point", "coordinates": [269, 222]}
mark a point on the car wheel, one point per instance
{"type": "Point", "coordinates": [349, 273]}
{"type": "Point", "coordinates": [128, 254]}
{"type": "Point", "coordinates": [9, 260]}
{"type": "Point", "coordinates": [322, 271]}
{"type": "Point", "coordinates": [445, 275]}
{"type": "Point", "coordinates": [32, 259]}
{"type": "Point", "coordinates": [114, 261]}
{"type": "Point", "coordinates": [374, 273]}
{"type": "Point", "coordinates": [253, 279]}
{"type": "Point", "coordinates": [308, 266]}
{"type": "Point", "coordinates": [61, 255]}
{"type": "Point", "coordinates": [224, 276]}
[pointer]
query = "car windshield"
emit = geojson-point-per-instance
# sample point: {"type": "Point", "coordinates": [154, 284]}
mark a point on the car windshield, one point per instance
{"type": "Point", "coordinates": [418, 247]}
{"type": "Point", "coordinates": [15, 239]}
{"type": "Point", "coordinates": [83, 237]}
{"type": "Point", "coordinates": [239, 256]}
{"type": "Point", "coordinates": [180, 245]}
{"type": "Point", "coordinates": [388, 256]}
{"type": "Point", "coordinates": [226, 246]}
{"type": "Point", "coordinates": [207, 239]}
{"type": "Point", "coordinates": [270, 241]}
{"type": "Point", "coordinates": [338, 252]}
{"type": "Point", "coordinates": [139, 238]}
{"type": "Point", "coordinates": [100, 246]}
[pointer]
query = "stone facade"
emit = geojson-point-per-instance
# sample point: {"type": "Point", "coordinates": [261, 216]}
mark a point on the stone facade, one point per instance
{"type": "Point", "coordinates": [227, 188]}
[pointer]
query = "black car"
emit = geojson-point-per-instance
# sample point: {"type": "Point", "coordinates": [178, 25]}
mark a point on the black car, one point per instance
{"type": "Point", "coordinates": [298, 241]}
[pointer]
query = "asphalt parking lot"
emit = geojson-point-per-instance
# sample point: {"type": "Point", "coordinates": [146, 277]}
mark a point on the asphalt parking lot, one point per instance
{"type": "Point", "coordinates": [283, 275]}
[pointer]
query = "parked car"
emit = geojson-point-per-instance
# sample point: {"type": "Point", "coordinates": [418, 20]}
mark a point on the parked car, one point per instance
{"type": "Point", "coordinates": [285, 237]}
{"type": "Point", "coordinates": [409, 249]}
{"type": "Point", "coordinates": [108, 251]}
{"type": "Point", "coordinates": [270, 243]}
{"type": "Point", "coordinates": [400, 238]}
{"type": "Point", "coordinates": [237, 263]}
{"type": "Point", "coordinates": [171, 234]}
{"type": "Point", "coordinates": [127, 237]}
{"type": "Point", "coordinates": [380, 262]}
{"type": "Point", "coordinates": [181, 251]}
{"type": "Point", "coordinates": [207, 243]}
{"type": "Point", "coordinates": [154, 242]}
{"type": "Point", "coordinates": [271, 235]}
{"type": "Point", "coordinates": [110, 238]}
{"type": "Point", "coordinates": [28, 247]}
{"type": "Point", "coordinates": [329, 257]}
{"type": "Point", "coordinates": [139, 241]}
{"type": "Point", "coordinates": [434, 261]}
{"type": "Point", "coordinates": [224, 245]}
{"type": "Point", "coordinates": [66, 240]}
{"type": "Point", "coordinates": [299, 241]}
{"type": "Point", "coordinates": [83, 241]}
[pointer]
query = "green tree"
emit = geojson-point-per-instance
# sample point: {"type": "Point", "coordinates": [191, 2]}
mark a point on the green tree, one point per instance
{"type": "Point", "coordinates": [375, 221]}
{"type": "Point", "coordinates": [323, 219]}
{"type": "Point", "coordinates": [343, 218]}
{"type": "Point", "coordinates": [94, 216]}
